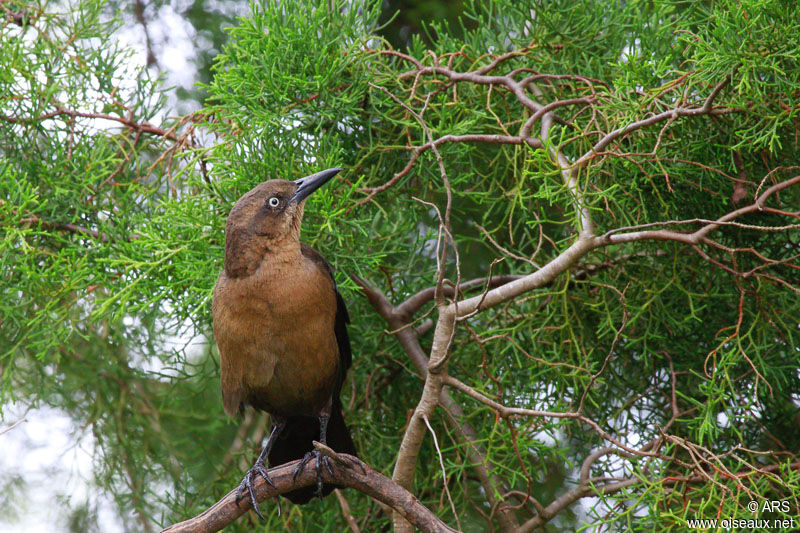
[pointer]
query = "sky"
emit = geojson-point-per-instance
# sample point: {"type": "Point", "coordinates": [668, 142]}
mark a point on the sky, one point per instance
{"type": "Point", "coordinates": [54, 458]}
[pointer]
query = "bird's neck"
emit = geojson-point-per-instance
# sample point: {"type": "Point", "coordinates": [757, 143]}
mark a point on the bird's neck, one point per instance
{"type": "Point", "coordinates": [245, 254]}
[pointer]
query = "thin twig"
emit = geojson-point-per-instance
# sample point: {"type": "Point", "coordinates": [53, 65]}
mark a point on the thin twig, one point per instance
{"type": "Point", "coordinates": [12, 426]}
{"type": "Point", "coordinates": [444, 472]}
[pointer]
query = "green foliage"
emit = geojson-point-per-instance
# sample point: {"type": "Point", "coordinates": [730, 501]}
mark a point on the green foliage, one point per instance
{"type": "Point", "coordinates": [112, 238]}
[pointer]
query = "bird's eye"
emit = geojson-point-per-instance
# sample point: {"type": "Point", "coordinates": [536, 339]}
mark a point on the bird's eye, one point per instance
{"type": "Point", "coordinates": [274, 201]}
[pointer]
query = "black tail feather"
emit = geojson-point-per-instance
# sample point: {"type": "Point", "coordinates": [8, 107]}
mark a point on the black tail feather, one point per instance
{"type": "Point", "coordinates": [296, 440]}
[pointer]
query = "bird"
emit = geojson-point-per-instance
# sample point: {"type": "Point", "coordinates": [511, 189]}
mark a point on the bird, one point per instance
{"type": "Point", "coordinates": [280, 324]}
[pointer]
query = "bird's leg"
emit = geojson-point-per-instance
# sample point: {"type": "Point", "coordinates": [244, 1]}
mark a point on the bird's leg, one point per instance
{"type": "Point", "coordinates": [260, 467]}
{"type": "Point", "coordinates": [322, 460]}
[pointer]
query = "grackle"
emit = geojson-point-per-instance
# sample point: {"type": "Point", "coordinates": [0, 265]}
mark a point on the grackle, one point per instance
{"type": "Point", "coordinates": [280, 324]}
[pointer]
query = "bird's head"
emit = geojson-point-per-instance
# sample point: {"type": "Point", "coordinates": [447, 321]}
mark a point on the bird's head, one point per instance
{"type": "Point", "coordinates": [267, 218]}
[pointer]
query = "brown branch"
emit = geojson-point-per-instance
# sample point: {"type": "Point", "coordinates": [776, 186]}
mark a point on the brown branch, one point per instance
{"type": "Point", "coordinates": [397, 319]}
{"type": "Point", "coordinates": [408, 453]}
{"type": "Point", "coordinates": [509, 412]}
{"type": "Point", "coordinates": [499, 59]}
{"type": "Point", "coordinates": [413, 304]}
{"type": "Point", "coordinates": [348, 515]}
{"type": "Point", "coordinates": [315, 96]}
{"type": "Point", "coordinates": [615, 237]}
{"type": "Point", "coordinates": [526, 129]}
{"type": "Point", "coordinates": [587, 490]}
{"type": "Point", "coordinates": [20, 17]}
{"type": "Point", "coordinates": [473, 77]}
{"type": "Point", "coordinates": [586, 487]}
{"type": "Point", "coordinates": [706, 109]}
{"type": "Point", "coordinates": [144, 127]}
{"type": "Point", "coordinates": [348, 470]}
{"type": "Point", "coordinates": [584, 244]}
{"type": "Point", "coordinates": [539, 278]}
{"type": "Point", "coordinates": [372, 192]}
{"type": "Point", "coordinates": [138, 9]}
{"type": "Point", "coordinates": [72, 228]}
{"type": "Point", "coordinates": [32, 219]}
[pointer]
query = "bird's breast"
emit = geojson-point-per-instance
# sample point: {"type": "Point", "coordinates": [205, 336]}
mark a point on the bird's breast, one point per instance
{"type": "Point", "coordinates": [275, 332]}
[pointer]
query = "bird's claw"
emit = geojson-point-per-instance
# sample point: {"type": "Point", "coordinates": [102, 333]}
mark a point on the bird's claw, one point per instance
{"type": "Point", "coordinates": [322, 461]}
{"type": "Point", "coordinates": [247, 483]}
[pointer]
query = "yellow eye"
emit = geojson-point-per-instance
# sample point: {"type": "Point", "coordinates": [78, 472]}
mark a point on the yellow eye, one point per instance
{"type": "Point", "coordinates": [274, 201]}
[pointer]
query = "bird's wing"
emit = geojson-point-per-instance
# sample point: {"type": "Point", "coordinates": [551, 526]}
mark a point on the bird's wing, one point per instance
{"type": "Point", "coordinates": [342, 317]}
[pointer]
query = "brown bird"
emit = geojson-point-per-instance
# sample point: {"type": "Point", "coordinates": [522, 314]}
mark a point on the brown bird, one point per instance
{"type": "Point", "coordinates": [280, 324]}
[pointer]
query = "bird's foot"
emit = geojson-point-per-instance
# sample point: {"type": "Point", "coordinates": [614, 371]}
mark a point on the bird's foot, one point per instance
{"type": "Point", "coordinates": [247, 484]}
{"type": "Point", "coordinates": [350, 461]}
{"type": "Point", "coordinates": [322, 461]}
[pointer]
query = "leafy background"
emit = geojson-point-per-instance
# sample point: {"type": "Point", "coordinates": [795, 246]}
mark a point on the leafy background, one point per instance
{"type": "Point", "coordinates": [112, 238]}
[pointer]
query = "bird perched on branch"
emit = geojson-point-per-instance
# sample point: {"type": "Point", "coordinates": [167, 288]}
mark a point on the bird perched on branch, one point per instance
{"type": "Point", "coordinates": [280, 324]}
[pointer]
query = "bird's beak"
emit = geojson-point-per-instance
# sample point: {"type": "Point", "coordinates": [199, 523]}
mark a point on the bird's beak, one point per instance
{"type": "Point", "coordinates": [309, 184]}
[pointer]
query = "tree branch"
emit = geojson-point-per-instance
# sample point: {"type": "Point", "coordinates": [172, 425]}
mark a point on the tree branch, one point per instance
{"type": "Point", "coordinates": [397, 318]}
{"type": "Point", "coordinates": [349, 471]}
{"type": "Point", "coordinates": [419, 150]}
{"type": "Point", "coordinates": [615, 237]}
{"type": "Point", "coordinates": [129, 123]}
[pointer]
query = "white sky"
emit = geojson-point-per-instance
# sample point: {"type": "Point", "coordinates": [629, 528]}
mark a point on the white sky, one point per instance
{"type": "Point", "coordinates": [56, 463]}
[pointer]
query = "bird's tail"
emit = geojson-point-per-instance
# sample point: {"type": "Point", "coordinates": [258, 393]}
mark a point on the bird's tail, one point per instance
{"type": "Point", "coordinates": [296, 440]}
